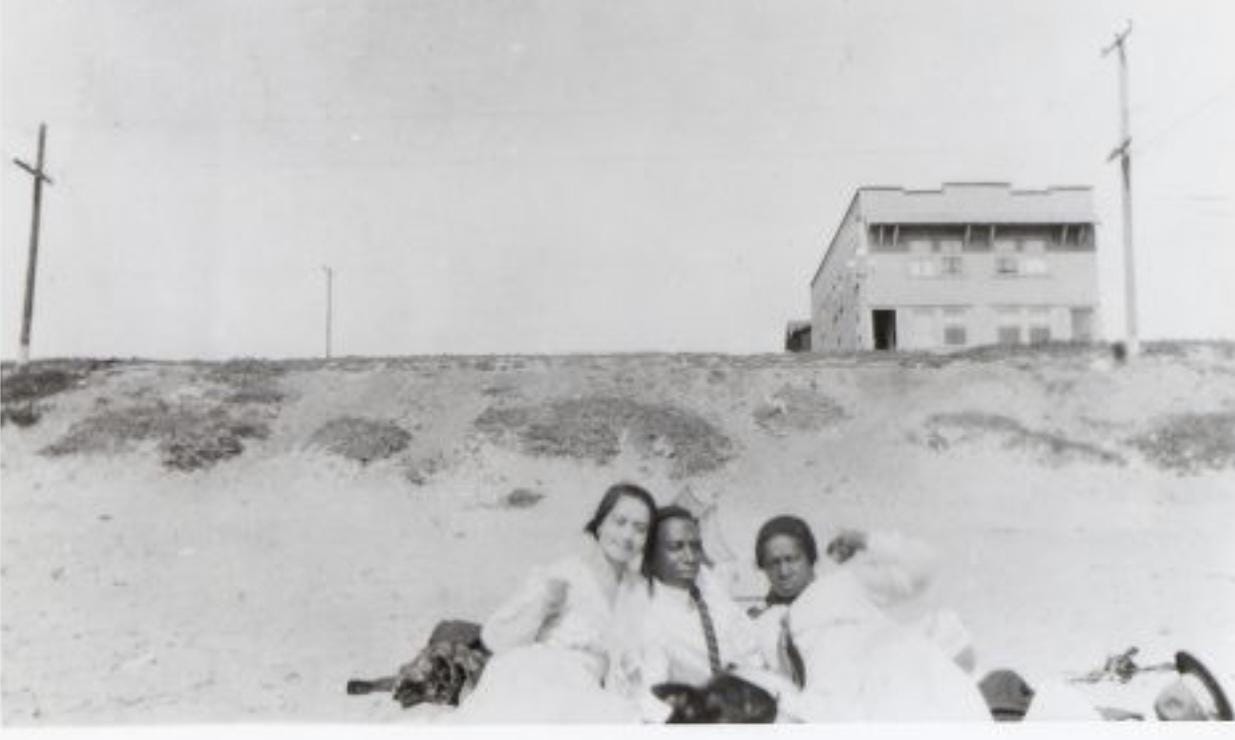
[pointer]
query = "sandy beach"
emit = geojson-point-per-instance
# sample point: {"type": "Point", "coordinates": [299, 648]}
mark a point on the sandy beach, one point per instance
{"type": "Point", "coordinates": [187, 542]}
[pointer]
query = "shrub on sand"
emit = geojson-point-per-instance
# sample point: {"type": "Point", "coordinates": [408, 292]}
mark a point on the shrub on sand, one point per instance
{"type": "Point", "coordinates": [362, 440]}
{"type": "Point", "coordinates": [593, 428]}
{"type": "Point", "coordinates": [189, 437]}
{"type": "Point", "coordinates": [1190, 443]}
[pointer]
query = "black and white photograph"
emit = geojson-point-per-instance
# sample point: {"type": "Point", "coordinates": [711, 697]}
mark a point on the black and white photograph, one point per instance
{"type": "Point", "coordinates": [426, 365]}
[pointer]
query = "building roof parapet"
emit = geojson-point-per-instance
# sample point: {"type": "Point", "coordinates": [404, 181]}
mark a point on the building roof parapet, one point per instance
{"type": "Point", "coordinates": [977, 202]}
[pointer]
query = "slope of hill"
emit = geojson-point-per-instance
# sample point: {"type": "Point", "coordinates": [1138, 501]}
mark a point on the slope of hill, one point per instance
{"type": "Point", "coordinates": [232, 541]}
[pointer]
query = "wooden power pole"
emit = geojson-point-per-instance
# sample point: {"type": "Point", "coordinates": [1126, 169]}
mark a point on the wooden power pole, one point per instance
{"type": "Point", "coordinates": [329, 305]}
{"type": "Point", "coordinates": [1124, 152]}
{"type": "Point", "coordinates": [40, 177]}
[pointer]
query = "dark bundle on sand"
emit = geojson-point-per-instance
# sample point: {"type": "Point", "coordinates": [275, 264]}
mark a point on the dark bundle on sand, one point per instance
{"type": "Point", "coordinates": [725, 700]}
{"type": "Point", "coordinates": [443, 672]}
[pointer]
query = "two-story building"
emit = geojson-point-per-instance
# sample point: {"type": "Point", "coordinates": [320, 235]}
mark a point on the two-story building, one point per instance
{"type": "Point", "coordinates": [965, 265]}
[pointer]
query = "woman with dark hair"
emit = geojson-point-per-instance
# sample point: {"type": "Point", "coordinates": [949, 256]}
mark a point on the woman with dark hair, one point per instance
{"type": "Point", "coordinates": [610, 500]}
{"type": "Point", "coordinates": [786, 552]}
{"type": "Point", "coordinates": [559, 642]}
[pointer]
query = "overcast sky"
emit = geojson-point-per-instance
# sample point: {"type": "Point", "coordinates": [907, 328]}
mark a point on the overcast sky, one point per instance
{"type": "Point", "coordinates": [547, 176]}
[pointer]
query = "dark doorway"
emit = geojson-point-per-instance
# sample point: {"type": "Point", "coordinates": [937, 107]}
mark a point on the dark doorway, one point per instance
{"type": "Point", "coordinates": [883, 321]}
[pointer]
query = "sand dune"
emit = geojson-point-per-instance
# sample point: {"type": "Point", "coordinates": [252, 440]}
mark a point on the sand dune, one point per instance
{"type": "Point", "coordinates": [233, 541]}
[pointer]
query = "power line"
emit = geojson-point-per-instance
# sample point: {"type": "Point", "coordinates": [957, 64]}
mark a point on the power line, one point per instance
{"type": "Point", "coordinates": [1187, 116]}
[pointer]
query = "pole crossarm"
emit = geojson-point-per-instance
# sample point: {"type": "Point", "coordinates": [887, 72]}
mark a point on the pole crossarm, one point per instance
{"type": "Point", "coordinates": [1119, 40]}
{"type": "Point", "coordinates": [1123, 148]}
{"type": "Point", "coordinates": [34, 172]}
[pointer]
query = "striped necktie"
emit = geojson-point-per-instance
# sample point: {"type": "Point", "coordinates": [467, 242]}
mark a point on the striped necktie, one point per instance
{"type": "Point", "coordinates": [709, 629]}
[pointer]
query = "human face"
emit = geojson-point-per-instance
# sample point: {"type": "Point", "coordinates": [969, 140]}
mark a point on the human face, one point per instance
{"type": "Point", "coordinates": [679, 551]}
{"type": "Point", "coordinates": [785, 564]}
{"type": "Point", "coordinates": [623, 531]}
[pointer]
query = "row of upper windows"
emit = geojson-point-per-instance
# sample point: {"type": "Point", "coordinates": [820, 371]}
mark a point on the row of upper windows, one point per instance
{"type": "Point", "coordinates": [1000, 309]}
{"type": "Point", "coordinates": [954, 266]}
{"type": "Point", "coordinates": [980, 237]}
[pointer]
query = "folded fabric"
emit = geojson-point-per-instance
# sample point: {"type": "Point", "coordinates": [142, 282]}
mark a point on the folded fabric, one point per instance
{"type": "Point", "coordinates": [447, 669]}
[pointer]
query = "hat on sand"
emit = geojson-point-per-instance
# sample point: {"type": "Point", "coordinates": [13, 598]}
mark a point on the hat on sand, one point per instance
{"type": "Point", "coordinates": [1195, 695]}
{"type": "Point", "coordinates": [1007, 695]}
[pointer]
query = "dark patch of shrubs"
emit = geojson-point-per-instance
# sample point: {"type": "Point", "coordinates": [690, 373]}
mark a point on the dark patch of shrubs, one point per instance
{"type": "Point", "coordinates": [1190, 443]}
{"type": "Point", "coordinates": [799, 410]}
{"type": "Point", "coordinates": [592, 428]}
{"type": "Point", "coordinates": [33, 384]}
{"type": "Point", "coordinates": [362, 440]}
{"type": "Point", "coordinates": [189, 438]}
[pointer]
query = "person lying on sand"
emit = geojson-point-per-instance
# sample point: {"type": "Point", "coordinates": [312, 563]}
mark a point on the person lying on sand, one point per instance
{"type": "Point", "coordinates": [557, 642]}
{"type": "Point", "coordinates": [1191, 694]}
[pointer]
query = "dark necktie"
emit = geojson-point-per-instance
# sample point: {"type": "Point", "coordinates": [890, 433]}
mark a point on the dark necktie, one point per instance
{"type": "Point", "coordinates": [792, 656]}
{"type": "Point", "coordinates": [709, 629]}
{"type": "Point", "coordinates": [789, 651]}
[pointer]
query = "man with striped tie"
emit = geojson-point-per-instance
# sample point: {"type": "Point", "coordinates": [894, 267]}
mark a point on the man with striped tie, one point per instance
{"type": "Point", "coordinates": [694, 631]}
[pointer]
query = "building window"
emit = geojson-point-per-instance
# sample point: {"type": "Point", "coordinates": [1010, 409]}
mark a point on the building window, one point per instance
{"type": "Point", "coordinates": [885, 238]}
{"type": "Point", "coordinates": [1006, 265]}
{"type": "Point", "coordinates": [1076, 235]}
{"type": "Point", "coordinates": [923, 268]}
{"type": "Point", "coordinates": [952, 266]}
{"type": "Point", "coordinates": [1009, 335]}
{"type": "Point", "coordinates": [979, 237]}
{"type": "Point", "coordinates": [1039, 334]}
{"type": "Point", "coordinates": [954, 335]}
{"type": "Point", "coordinates": [1033, 266]}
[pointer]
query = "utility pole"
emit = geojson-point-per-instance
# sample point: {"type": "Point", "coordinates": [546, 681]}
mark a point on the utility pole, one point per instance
{"type": "Point", "coordinates": [40, 177]}
{"type": "Point", "coordinates": [329, 304]}
{"type": "Point", "coordinates": [1124, 152]}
